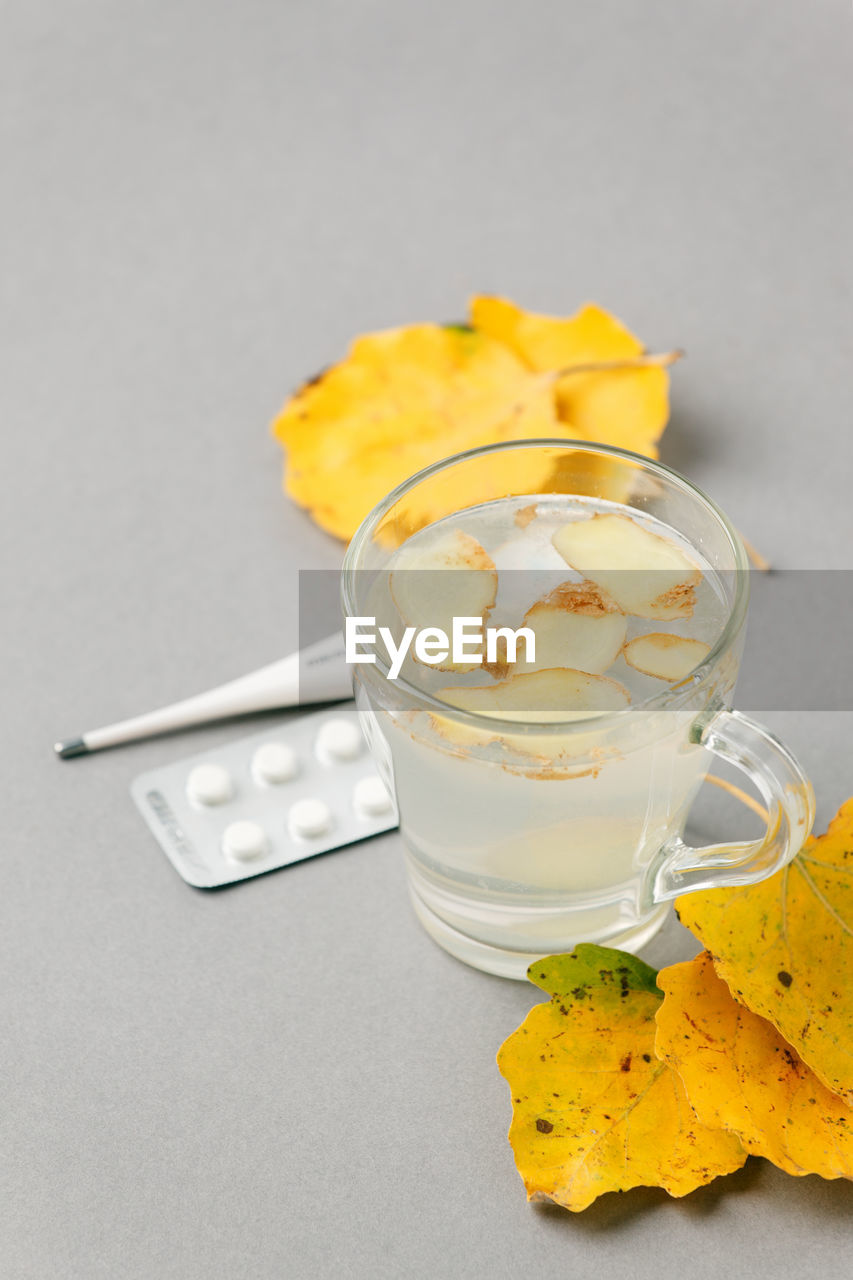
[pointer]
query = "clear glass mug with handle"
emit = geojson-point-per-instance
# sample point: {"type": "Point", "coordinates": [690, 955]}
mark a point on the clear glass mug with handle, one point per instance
{"type": "Point", "coordinates": [527, 832]}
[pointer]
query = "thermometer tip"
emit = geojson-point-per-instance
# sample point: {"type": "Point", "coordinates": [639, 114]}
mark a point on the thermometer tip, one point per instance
{"type": "Point", "coordinates": [70, 747]}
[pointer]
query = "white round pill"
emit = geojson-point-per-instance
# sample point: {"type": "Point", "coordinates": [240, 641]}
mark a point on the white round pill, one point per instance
{"type": "Point", "coordinates": [308, 819]}
{"type": "Point", "coordinates": [339, 740]}
{"type": "Point", "coordinates": [209, 784]}
{"type": "Point", "coordinates": [370, 797]}
{"type": "Point", "coordinates": [274, 763]}
{"type": "Point", "coordinates": [244, 841]}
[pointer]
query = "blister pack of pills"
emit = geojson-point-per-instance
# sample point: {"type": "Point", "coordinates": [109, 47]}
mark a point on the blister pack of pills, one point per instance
{"type": "Point", "coordinates": [268, 800]}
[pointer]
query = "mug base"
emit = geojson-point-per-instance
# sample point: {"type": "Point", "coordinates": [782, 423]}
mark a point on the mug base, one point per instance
{"type": "Point", "coordinates": [505, 963]}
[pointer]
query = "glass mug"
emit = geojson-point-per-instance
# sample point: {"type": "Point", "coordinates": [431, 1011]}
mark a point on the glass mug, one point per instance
{"type": "Point", "coordinates": [525, 836]}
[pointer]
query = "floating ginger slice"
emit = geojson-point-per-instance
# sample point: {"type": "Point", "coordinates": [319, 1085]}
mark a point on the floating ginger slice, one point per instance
{"type": "Point", "coordinates": [452, 576]}
{"type": "Point", "coordinates": [665, 656]}
{"type": "Point", "coordinates": [647, 575]}
{"type": "Point", "coordinates": [575, 625]}
{"type": "Point", "coordinates": [742, 1076]}
{"type": "Point", "coordinates": [553, 695]}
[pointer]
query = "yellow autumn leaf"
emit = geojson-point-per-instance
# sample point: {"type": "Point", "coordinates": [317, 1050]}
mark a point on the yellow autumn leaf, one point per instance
{"type": "Point", "coordinates": [594, 1110]}
{"type": "Point", "coordinates": [399, 401]}
{"type": "Point", "coordinates": [624, 406]}
{"type": "Point", "coordinates": [408, 397]}
{"type": "Point", "coordinates": [785, 949]}
{"type": "Point", "coordinates": [741, 1075]}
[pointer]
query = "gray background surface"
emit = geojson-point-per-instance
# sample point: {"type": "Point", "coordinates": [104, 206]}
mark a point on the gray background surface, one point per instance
{"type": "Point", "coordinates": [201, 204]}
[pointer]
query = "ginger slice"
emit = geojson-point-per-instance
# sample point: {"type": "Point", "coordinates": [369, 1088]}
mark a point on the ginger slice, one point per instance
{"type": "Point", "coordinates": [548, 696]}
{"type": "Point", "coordinates": [664, 656]}
{"type": "Point", "coordinates": [576, 625]}
{"type": "Point", "coordinates": [452, 576]}
{"type": "Point", "coordinates": [646, 575]}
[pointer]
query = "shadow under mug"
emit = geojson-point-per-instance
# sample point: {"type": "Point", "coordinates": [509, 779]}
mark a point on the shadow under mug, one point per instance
{"type": "Point", "coordinates": [509, 860]}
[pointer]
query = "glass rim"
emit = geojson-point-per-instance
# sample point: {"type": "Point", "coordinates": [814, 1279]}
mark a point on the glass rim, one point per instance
{"type": "Point", "coordinates": [668, 698]}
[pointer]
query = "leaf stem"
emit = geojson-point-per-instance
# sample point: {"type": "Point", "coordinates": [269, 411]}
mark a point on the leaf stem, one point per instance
{"type": "Point", "coordinates": [759, 561]}
{"type": "Point", "coordinates": [649, 359]}
{"type": "Point", "coordinates": [739, 795]}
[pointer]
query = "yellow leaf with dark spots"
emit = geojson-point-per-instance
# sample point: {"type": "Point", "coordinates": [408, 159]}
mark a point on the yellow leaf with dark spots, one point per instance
{"type": "Point", "coordinates": [594, 1110]}
{"type": "Point", "coordinates": [741, 1075]}
{"type": "Point", "coordinates": [785, 949]}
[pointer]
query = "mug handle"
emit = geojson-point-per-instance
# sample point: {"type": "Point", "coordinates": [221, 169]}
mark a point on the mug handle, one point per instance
{"type": "Point", "coordinates": [787, 794]}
